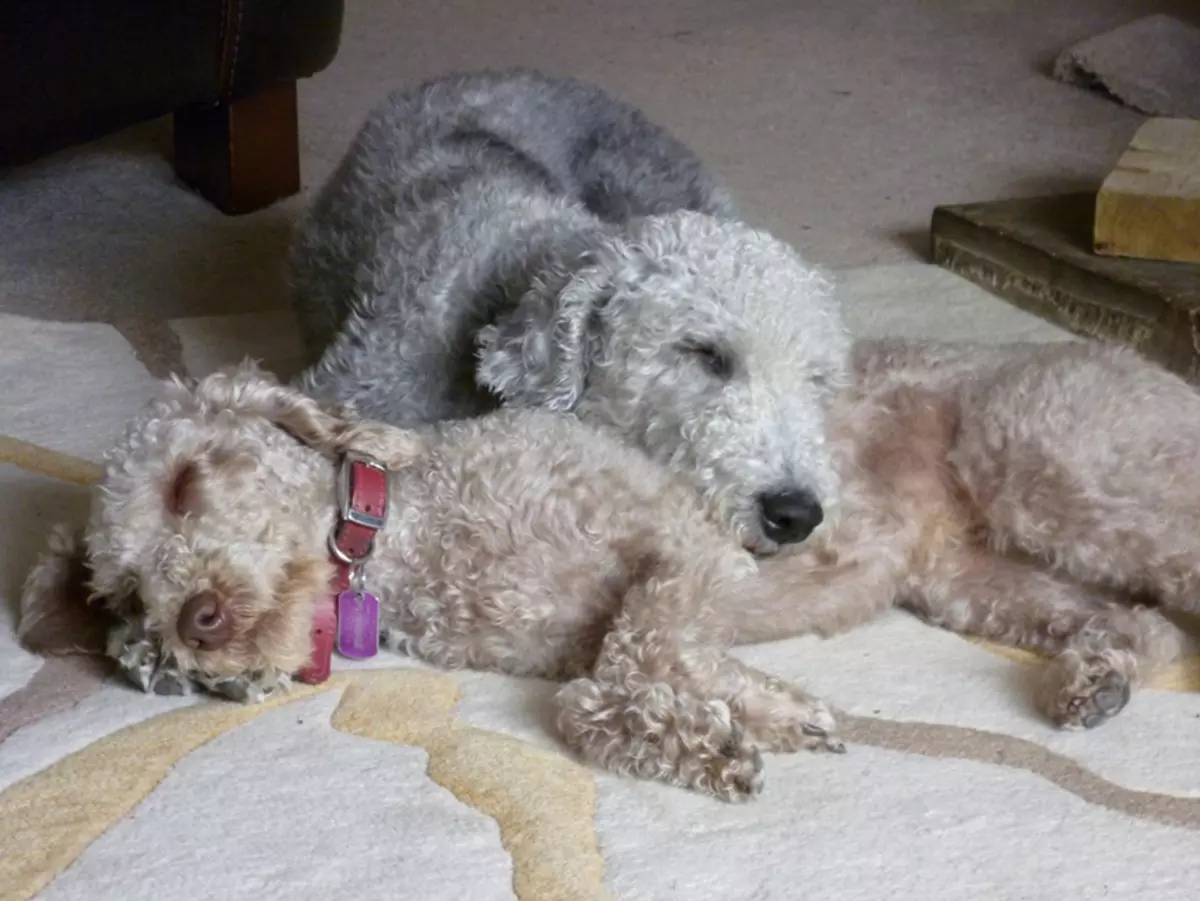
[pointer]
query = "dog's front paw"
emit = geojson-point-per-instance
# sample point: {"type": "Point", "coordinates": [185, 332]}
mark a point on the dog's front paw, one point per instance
{"type": "Point", "coordinates": [170, 679]}
{"type": "Point", "coordinates": [1082, 691]}
{"type": "Point", "coordinates": [787, 720]}
{"type": "Point", "coordinates": [734, 773]}
{"type": "Point", "coordinates": [712, 753]}
{"type": "Point", "coordinates": [248, 688]}
{"type": "Point", "coordinates": [143, 662]}
{"type": "Point", "coordinates": [659, 734]}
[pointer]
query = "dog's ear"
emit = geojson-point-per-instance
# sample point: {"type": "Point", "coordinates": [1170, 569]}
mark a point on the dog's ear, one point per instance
{"type": "Point", "coordinates": [330, 428]}
{"type": "Point", "coordinates": [59, 614]}
{"type": "Point", "coordinates": [395, 448]}
{"type": "Point", "coordinates": [248, 390]}
{"type": "Point", "coordinates": [538, 354]}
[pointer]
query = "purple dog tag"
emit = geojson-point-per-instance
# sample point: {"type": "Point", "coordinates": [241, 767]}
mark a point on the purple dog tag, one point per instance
{"type": "Point", "coordinates": [357, 624]}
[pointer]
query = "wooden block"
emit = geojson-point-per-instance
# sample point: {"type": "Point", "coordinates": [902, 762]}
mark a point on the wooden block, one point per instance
{"type": "Point", "coordinates": [1036, 254]}
{"type": "Point", "coordinates": [1149, 206]}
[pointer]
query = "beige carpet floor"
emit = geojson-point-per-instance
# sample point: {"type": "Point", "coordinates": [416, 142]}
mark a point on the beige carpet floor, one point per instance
{"type": "Point", "coordinates": [839, 125]}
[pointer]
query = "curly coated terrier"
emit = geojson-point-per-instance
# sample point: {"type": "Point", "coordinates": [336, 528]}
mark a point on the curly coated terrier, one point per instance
{"type": "Point", "coordinates": [1021, 493]}
{"type": "Point", "coordinates": [520, 541]}
{"type": "Point", "coordinates": [509, 237]}
{"type": "Point", "coordinates": [1010, 492]}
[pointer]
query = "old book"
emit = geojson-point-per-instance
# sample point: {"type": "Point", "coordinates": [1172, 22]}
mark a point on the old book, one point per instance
{"type": "Point", "coordinates": [1036, 253]}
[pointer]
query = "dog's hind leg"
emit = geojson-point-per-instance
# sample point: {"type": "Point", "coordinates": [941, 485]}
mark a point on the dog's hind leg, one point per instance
{"type": "Point", "coordinates": [1100, 648]}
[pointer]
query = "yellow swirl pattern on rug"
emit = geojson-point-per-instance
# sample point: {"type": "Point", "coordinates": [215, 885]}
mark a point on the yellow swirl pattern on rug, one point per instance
{"type": "Point", "coordinates": [542, 802]}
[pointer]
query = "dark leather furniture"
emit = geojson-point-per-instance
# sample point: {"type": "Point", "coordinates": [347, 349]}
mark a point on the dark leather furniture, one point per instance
{"type": "Point", "coordinates": [73, 70]}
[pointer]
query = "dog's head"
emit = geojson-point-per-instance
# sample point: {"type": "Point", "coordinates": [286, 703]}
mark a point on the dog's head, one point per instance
{"type": "Point", "coordinates": [710, 344]}
{"type": "Point", "coordinates": [208, 531]}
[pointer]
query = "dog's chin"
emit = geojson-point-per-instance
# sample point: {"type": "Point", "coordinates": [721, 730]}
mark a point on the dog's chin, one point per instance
{"type": "Point", "coordinates": [764, 547]}
{"type": "Point", "coordinates": [757, 543]}
{"type": "Point", "coordinates": [753, 539]}
{"type": "Point", "coordinates": [215, 664]}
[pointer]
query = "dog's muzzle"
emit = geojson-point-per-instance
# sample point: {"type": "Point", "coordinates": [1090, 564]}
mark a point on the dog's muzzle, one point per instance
{"type": "Point", "coordinates": [346, 618]}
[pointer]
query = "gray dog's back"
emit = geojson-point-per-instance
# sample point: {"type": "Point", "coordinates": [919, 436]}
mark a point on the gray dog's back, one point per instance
{"type": "Point", "coordinates": [451, 195]}
{"type": "Point", "coordinates": [583, 142]}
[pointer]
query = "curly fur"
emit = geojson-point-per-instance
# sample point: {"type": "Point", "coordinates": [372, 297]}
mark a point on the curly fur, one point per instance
{"type": "Point", "coordinates": [508, 237]}
{"type": "Point", "coordinates": [521, 541]}
{"type": "Point", "coordinates": [1018, 493]}
{"type": "Point", "coordinates": [1021, 493]}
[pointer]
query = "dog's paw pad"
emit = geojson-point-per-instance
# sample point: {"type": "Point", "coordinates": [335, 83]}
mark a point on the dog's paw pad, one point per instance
{"type": "Point", "coordinates": [170, 682]}
{"type": "Point", "coordinates": [1092, 693]}
{"type": "Point", "coordinates": [825, 739]}
{"type": "Point", "coordinates": [1113, 694]}
{"type": "Point", "coordinates": [733, 745]}
{"type": "Point", "coordinates": [169, 678]}
{"type": "Point", "coordinates": [748, 782]}
{"type": "Point", "coordinates": [793, 724]}
{"type": "Point", "coordinates": [730, 765]}
{"type": "Point", "coordinates": [249, 688]}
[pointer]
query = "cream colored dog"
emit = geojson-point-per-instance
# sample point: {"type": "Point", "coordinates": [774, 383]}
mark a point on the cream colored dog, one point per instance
{"type": "Point", "coordinates": [522, 542]}
{"type": "Point", "coordinates": [1021, 493]}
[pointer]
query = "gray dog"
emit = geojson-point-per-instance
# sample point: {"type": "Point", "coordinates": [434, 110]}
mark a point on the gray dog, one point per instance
{"type": "Point", "coordinates": [514, 238]}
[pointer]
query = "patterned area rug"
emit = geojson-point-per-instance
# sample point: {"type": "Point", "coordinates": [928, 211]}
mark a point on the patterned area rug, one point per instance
{"type": "Point", "coordinates": [394, 780]}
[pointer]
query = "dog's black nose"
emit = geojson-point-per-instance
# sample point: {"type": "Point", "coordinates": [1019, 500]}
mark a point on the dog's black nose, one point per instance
{"type": "Point", "coordinates": [789, 516]}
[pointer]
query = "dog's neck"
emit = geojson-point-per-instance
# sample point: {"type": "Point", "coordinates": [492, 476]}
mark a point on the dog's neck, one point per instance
{"type": "Point", "coordinates": [346, 617]}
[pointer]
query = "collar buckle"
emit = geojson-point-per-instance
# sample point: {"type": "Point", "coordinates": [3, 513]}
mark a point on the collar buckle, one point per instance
{"type": "Point", "coordinates": [362, 508]}
{"type": "Point", "coordinates": [371, 512]}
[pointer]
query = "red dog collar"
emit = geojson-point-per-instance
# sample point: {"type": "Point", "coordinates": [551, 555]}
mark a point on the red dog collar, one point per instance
{"type": "Point", "coordinates": [362, 513]}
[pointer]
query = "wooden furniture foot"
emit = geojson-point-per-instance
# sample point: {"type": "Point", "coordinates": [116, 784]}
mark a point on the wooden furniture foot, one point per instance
{"type": "Point", "coordinates": [242, 155]}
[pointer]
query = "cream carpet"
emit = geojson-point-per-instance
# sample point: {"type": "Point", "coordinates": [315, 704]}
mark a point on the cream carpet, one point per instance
{"type": "Point", "coordinates": [397, 781]}
{"type": "Point", "coordinates": [839, 126]}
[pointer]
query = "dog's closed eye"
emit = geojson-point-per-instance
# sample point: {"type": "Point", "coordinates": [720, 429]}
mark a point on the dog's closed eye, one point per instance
{"type": "Point", "coordinates": [715, 359]}
{"type": "Point", "coordinates": [184, 491]}
{"type": "Point", "coordinates": [182, 495]}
